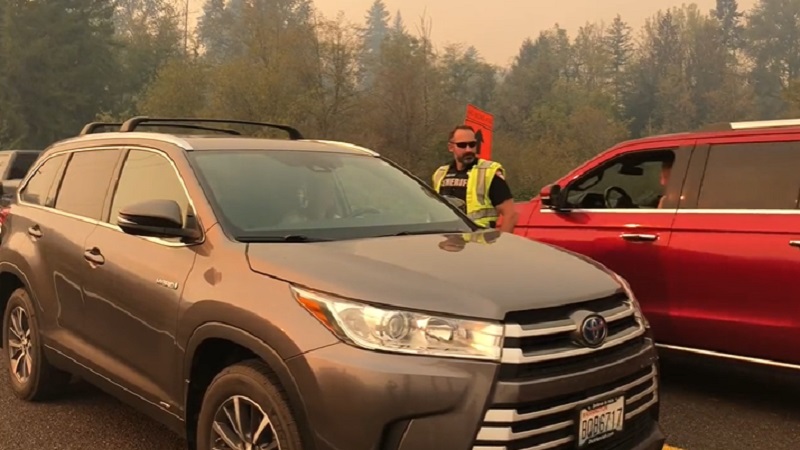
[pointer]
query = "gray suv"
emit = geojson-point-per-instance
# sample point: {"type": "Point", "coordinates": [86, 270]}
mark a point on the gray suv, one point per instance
{"type": "Point", "coordinates": [269, 293]}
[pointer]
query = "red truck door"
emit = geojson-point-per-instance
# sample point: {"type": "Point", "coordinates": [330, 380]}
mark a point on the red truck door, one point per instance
{"type": "Point", "coordinates": [611, 213]}
{"type": "Point", "coordinates": [734, 260]}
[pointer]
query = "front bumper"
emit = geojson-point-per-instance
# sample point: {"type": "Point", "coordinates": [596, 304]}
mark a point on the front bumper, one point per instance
{"type": "Point", "coordinates": [362, 400]}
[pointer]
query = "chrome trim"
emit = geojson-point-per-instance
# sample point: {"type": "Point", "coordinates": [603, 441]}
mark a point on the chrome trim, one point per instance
{"type": "Point", "coordinates": [547, 328]}
{"type": "Point", "coordinates": [160, 137]}
{"type": "Point", "coordinates": [674, 211]}
{"type": "Point", "coordinates": [516, 355]}
{"type": "Point", "coordinates": [511, 415]}
{"type": "Point", "coordinates": [507, 434]}
{"type": "Point", "coordinates": [610, 211]}
{"type": "Point", "coordinates": [755, 124]}
{"type": "Point", "coordinates": [748, 359]}
{"type": "Point", "coordinates": [508, 417]}
{"type": "Point", "coordinates": [633, 237]}
{"type": "Point", "coordinates": [91, 221]}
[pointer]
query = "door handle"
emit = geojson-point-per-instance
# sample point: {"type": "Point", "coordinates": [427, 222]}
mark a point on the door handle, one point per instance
{"type": "Point", "coordinates": [94, 256]}
{"type": "Point", "coordinates": [35, 231]}
{"type": "Point", "coordinates": [633, 237]}
{"type": "Point", "coordinates": [794, 243]}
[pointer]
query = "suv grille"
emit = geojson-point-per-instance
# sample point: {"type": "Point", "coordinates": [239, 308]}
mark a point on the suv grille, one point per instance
{"type": "Point", "coordinates": [547, 343]}
{"type": "Point", "coordinates": [551, 424]}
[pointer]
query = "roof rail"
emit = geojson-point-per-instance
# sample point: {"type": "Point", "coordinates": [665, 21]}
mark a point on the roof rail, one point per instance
{"type": "Point", "coordinates": [132, 123]}
{"type": "Point", "coordinates": [90, 128]}
{"type": "Point", "coordinates": [93, 126]}
{"type": "Point", "coordinates": [765, 124]}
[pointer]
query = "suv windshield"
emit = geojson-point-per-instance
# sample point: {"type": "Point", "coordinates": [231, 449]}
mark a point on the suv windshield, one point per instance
{"type": "Point", "coordinates": [308, 195]}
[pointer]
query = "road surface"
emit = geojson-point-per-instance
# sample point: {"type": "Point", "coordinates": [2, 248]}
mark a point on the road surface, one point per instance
{"type": "Point", "coordinates": [705, 407]}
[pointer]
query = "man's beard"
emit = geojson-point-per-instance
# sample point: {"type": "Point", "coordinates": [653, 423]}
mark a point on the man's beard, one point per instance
{"type": "Point", "coordinates": [468, 158]}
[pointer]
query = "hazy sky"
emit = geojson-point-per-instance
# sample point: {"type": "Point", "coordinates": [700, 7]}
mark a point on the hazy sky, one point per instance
{"type": "Point", "coordinates": [497, 28]}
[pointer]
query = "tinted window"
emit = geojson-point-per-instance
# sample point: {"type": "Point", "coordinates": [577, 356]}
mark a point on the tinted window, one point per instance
{"type": "Point", "coordinates": [41, 187]}
{"type": "Point", "coordinates": [86, 182]}
{"type": "Point", "coordinates": [634, 180]}
{"type": "Point", "coordinates": [318, 194]}
{"type": "Point", "coordinates": [751, 176]}
{"type": "Point", "coordinates": [146, 176]}
{"type": "Point", "coordinates": [22, 162]}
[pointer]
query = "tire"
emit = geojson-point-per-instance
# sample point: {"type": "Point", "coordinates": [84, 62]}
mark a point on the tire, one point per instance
{"type": "Point", "coordinates": [251, 382]}
{"type": "Point", "coordinates": [43, 380]}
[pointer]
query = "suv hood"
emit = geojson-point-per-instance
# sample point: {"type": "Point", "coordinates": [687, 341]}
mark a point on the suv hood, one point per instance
{"type": "Point", "coordinates": [439, 273]}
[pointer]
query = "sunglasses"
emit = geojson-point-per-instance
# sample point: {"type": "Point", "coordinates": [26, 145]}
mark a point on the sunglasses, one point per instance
{"type": "Point", "coordinates": [470, 144]}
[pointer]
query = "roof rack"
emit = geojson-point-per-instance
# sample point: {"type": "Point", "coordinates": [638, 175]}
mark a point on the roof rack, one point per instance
{"type": "Point", "coordinates": [94, 126]}
{"type": "Point", "coordinates": [764, 124]}
{"type": "Point", "coordinates": [132, 123]}
{"type": "Point", "coordinates": [90, 128]}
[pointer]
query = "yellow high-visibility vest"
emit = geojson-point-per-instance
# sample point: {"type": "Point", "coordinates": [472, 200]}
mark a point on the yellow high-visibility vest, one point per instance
{"type": "Point", "coordinates": [479, 206]}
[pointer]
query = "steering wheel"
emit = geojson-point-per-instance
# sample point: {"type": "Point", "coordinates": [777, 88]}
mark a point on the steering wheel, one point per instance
{"type": "Point", "coordinates": [624, 200]}
{"type": "Point", "coordinates": [361, 211]}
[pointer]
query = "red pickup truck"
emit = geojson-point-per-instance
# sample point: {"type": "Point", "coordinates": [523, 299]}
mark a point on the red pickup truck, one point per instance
{"type": "Point", "coordinates": [705, 227]}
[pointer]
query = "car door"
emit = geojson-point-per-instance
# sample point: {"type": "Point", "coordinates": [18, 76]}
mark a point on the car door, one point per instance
{"type": "Point", "coordinates": [133, 296]}
{"type": "Point", "coordinates": [59, 206]}
{"type": "Point", "coordinates": [735, 249]}
{"type": "Point", "coordinates": [629, 238]}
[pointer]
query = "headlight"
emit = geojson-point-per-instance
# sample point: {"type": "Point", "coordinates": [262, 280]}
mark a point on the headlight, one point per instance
{"type": "Point", "coordinates": [400, 331]}
{"type": "Point", "coordinates": [636, 306]}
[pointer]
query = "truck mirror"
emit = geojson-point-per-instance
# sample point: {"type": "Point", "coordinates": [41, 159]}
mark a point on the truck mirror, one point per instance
{"type": "Point", "coordinates": [551, 196]}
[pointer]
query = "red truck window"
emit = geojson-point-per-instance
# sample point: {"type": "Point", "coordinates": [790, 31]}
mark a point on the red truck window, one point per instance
{"type": "Point", "coordinates": [632, 180]}
{"type": "Point", "coordinates": [762, 175]}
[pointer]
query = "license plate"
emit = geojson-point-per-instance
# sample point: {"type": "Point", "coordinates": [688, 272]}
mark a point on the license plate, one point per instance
{"type": "Point", "coordinates": [601, 420]}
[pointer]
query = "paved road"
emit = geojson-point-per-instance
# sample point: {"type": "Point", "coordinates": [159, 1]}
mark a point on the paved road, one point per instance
{"type": "Point", "coordinates": [706, 407]}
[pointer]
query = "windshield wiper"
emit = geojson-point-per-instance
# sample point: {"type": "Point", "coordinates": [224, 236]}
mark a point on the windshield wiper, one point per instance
{"type": "Point", "coordinates": [286, 238]}
{"type": "Point", "coordinates": [414, 233]}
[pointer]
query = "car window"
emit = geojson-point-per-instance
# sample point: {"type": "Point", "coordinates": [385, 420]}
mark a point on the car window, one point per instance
{"type": "Point", "coordinates": [147, 175]}
{"type": "Point", "coordinates": [86, 181]}
{"type": "Point", "coordinates": [751, 176]}
{"type": "Point", "coordinates": [318, 194]}
{"type": "Point", "coordinates": [22, 162]}
{"type": "Point", "coordinates": [41, 188]}
{"type": "Point", "coordinates": [634, 180]}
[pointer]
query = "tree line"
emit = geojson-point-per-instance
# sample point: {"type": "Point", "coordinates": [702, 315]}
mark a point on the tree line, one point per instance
{"type": "Point", "coordinates": [382, 83]}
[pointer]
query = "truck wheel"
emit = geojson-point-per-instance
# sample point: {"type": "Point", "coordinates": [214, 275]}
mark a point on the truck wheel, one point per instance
{"type": "Point", "coordinates": [31, 376]}
{"type": "Point", "coordinates": [245, 408]}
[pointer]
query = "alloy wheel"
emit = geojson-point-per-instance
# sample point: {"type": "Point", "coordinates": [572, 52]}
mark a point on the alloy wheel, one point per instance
{"type": "Point", "coordinates": [241, 424]}
{"type": "Point", "coordinates": [20, 346]}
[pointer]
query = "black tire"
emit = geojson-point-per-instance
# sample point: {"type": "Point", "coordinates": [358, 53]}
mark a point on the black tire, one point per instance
{"type": "Point", "coordinates": [254, 381]}
{"type": "Point", "coordinates": [43, 380]}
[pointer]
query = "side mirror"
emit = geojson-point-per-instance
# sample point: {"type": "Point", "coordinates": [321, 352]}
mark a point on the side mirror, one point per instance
{"type": "Point", "coordinates": [8, 188]}
{"type": "Point", "coordinates": [545, 194]}
{"type": "Point", "coordinates": [155, 218]}
{"type": "Point", "coordinates": [551, 197]}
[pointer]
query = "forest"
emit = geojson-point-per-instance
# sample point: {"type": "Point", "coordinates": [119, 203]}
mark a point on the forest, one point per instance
{"type": "Point", "coordinates": [382, 83]}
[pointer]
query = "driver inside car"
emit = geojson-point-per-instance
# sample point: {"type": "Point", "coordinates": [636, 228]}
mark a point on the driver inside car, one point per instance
{"type": "Point", "coordinates": [315, 201]}
{"type": "Point", "coordinates": [666, 170]}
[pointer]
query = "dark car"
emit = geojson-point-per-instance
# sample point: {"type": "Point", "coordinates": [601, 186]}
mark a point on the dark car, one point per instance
{"type": "Point", "coordinates": [300, 294]}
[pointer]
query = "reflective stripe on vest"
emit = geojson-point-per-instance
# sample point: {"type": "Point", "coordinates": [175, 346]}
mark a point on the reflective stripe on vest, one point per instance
{"type": "Point", "coordinates": [438, 177]}
{"type": "Point", "coordinates": [479, 206]}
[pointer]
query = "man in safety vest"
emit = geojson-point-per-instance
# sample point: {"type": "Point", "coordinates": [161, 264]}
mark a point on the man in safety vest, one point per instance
{"type": "Point", "coordinates": [475, 185]}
